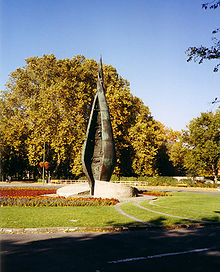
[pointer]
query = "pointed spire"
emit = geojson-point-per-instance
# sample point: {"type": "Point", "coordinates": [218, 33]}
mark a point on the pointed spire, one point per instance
{"type": "Point", "coordinates": [100, 71]}
{"type": "Point", "coordinates": [98, 154]}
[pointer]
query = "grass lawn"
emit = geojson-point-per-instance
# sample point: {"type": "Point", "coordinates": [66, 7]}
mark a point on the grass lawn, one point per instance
{"type": "Point", "coordinates": [150, 217]}
{"type": "Point", "coordinates": [43, 217]}
{"type": "Point", "coordinates": [191, 205]}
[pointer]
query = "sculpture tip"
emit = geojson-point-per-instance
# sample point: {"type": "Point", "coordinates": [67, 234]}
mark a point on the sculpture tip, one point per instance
{"type": "Point", "coordinates": [100, 70]}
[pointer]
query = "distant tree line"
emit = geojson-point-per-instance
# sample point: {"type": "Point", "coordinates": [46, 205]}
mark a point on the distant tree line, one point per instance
{"type": "Point", "coordinates": [47, 104]}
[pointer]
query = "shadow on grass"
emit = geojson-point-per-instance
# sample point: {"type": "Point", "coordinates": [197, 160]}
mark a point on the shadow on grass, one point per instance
{"type": "Point", "coordinates": [161, 223]}
{"type": "Point", "coordinates": [95, 251]}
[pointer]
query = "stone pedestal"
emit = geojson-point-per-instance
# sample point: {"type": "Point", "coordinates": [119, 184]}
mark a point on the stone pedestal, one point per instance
{"type": "Point", "coordinates": [103, 189]}
{"type": "Point", "coordinates": [113, 190]}
{"type": "Point", "coordinates": [73, 190]}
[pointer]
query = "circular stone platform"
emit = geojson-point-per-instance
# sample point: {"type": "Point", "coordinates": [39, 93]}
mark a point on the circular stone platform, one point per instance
{"type": "Point", "coordinates": [74, 189]}
{"type": "Point", "coordinates": [113, 190]}
{"type": "Point", "coordinates": [103, 189]}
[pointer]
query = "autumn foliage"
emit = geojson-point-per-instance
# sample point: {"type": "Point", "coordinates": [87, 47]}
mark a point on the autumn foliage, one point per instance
{"type": "Point", "coordinates": [49, 101]}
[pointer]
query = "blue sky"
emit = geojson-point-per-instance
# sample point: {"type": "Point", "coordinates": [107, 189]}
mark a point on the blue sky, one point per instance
{"type": "Point", "coordinates": [145, 40]}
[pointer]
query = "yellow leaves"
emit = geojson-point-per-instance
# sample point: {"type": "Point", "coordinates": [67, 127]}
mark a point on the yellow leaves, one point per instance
{"type": "Point", "coordinates": [50, 100]}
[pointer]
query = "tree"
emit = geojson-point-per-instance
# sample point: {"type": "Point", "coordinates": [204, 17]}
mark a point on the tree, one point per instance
{"type": "Point", "coordinates": [49, 101]}
{"type": "Point", "coordinates": [43, 102]}
{"type": "Point", "coordinates": [170, 158]}
{"type": "Point", "coordinates": [212, 5]}
{"type": "Point", "coordinates": [177, 155]}
{"type": "Point", "coordinates": [201, 145]}
{"type": "Point", "coordinates": [207, 53]}
{"type": "Point", "coordinates": [146, 138]}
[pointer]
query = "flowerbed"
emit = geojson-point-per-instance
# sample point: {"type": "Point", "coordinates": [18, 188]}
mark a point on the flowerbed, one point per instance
{"type": "Point", "coordinates": [55, 201]}
{"type": "Point", "coordinates": [19, 192]}
{"type": "Point", "coordinates": [155, 193]}
{"type": "Point", "coordinates": [34, 197]}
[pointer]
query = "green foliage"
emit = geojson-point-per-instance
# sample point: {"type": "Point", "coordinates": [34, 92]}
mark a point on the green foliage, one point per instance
{"type": "Point", "coordinates": [159, 181]}
{"type": "Point", "coordinates": [201, 142]}
{"type": "Point", "coordinates": [198, 149]}
{"type": "Point", "coordinates": [177, 155]}
{"type": "Point", "coordinates": [164, 181]}
{"type": "Point", "coordinates": [195, 183]}
{"type": "Point", "coordinates": [153, 181]}
{"type": "Point", "coordinates": [164, 161]}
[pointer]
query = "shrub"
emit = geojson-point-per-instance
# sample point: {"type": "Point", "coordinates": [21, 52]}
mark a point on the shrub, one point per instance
{"type": "Point", "coordinates": [197, 183]}
{"type": "Point", "coordinates": [119, 178]}
{"type": "Point", "coordinates": [158, 181]}
{"type": "Point", "coordinates": [154, 193]}
{"type": "Point", "coordinates": [114, 178]}
{"type": "Point", "coordinates": [164, 181]}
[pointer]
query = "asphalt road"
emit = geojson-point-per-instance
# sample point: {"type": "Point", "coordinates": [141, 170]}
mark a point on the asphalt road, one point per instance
{"type": "Point", "coordinates": [176, 250]}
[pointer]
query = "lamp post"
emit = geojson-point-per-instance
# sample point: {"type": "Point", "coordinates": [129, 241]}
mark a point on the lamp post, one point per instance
{"type": "Point", "coordinates": [43, 163]}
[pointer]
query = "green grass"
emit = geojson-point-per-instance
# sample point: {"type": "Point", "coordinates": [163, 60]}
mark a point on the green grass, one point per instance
{"type": "Point", "coordinates": [191, 205]}
{"type": "Point", "coordinates": [150, 217]}
{"type": "Point", "coordinates": [43, 217]}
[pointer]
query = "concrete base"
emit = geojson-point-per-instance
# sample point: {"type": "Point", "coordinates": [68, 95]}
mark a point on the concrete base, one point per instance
{"type": "Point", "coordinates": [113, 190]}
{"type": "Point", "coordinates": [74, 189]}
{"type": "Point", "coordinates": [103, 189]}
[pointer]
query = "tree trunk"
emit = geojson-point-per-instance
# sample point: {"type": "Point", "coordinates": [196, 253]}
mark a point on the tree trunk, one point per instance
{"type": "Point", "coordinates": [215, 172]}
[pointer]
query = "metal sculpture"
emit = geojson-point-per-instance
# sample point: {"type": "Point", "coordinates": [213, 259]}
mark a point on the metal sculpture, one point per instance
{"type": "Point", "coordinates": [98, 154]}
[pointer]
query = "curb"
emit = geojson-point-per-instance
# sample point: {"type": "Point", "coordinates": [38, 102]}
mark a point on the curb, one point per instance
{"type": "Point", "coordinates": [106, 229]}
{"type": "Point", "coordinates": [66, 229]}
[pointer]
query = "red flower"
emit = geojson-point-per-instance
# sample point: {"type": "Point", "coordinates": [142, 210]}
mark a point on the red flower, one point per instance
{"type": "Point", "coordinates": [41, 164]}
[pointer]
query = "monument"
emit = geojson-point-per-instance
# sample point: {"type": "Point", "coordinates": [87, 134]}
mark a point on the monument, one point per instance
{"type": "Point", "coordinates": [98, 154]}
